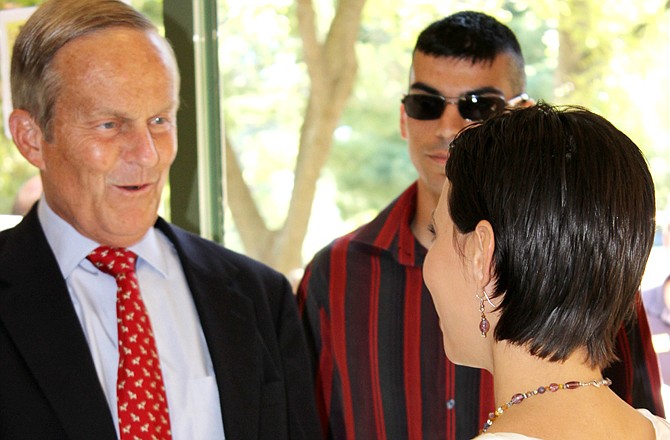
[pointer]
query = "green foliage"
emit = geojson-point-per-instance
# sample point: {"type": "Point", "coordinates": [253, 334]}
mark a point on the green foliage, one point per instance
{"type": "Point", "coordinates": [617, 66]}
{"type": "Point", "coordinates": [265, 91]}
{"type": "Point", "coordinates": [14, 170]}
{"type": "Point", "coordinates": [377, 165]}
{"type": "Point", "coordinates": [530, 29]}
{"type": "Point", "coordinates": [617, 43]}
{"type": "Point", "coordinates": [265, 88]}
{"type": "Point", "coordinates": [5, 4]}
{"type": "Point", "coordinates": [620, 71]}
{"type": "Point", "coordinates": [369, 160]}
{"type": "Point", "coordinates": [152, 9]}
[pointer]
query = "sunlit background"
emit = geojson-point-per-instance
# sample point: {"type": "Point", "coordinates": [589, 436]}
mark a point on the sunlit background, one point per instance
{"type": "Point", "coordinates": [611, 56]}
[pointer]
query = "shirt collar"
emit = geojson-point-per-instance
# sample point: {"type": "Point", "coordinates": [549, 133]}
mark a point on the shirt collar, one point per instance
{"type": "Point", "coordinates": [391, 230]}
{"type": "Point", "coordinates": [71, 248]}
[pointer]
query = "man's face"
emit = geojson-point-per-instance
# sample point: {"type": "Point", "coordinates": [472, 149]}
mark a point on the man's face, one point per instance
{"type": "Point", "coordinates": [449, 77]}
{"type": "Point", "coordinates": [114, 134]}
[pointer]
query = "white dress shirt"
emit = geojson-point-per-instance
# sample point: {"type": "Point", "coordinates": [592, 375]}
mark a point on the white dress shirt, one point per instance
{"type": "Point", "coordinates": [192, 393]}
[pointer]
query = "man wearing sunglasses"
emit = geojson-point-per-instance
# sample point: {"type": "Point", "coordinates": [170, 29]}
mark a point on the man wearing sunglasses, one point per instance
{"type": "Point", "coordinates": [375, 337]}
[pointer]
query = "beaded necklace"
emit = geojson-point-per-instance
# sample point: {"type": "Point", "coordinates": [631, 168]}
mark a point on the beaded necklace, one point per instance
{"type": "Point", "coordinates": [520, 397]}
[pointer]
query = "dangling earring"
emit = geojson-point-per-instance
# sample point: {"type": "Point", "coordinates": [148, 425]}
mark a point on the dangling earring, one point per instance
{"type": "Point", "coordinates": [484, 324]}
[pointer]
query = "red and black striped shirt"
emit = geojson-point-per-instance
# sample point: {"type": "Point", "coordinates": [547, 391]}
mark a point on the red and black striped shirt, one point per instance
{"type": "Point", "coordinates": [380, 368]}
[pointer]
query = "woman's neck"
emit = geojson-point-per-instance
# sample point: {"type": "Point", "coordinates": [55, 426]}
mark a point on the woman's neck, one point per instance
{"type": "Point", "coordinates": [517, 371]}
{"type": "Point", "coordinates": [593, 412]}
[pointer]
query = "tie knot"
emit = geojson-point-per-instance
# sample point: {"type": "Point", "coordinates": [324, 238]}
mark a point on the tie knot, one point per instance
{"type": "Point", "coordinates": [113, 261]}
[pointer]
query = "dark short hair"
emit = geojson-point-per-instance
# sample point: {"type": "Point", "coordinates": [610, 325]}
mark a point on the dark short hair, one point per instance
{"type": "Point", "coordinates": [571, 202]}
{"type": "Point", "coordinates": [34, 83]}
{"type": "Point", "coordinates": [473, 36]}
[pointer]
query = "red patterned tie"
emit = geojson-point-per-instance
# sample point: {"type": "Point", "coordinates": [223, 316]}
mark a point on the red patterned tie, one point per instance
{"type": "Point", "coordinates": [140, 392]}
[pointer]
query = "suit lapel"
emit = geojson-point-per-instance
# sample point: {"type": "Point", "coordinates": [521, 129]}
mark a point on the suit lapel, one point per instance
{"type": "Point", "coordinates": [36, 310]}
{"type": "Point", "coordinates": [228, 322]}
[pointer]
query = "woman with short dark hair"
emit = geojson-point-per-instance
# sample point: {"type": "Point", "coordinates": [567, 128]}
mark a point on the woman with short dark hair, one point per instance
{"type": "Point", "coordinates": [542, 234]}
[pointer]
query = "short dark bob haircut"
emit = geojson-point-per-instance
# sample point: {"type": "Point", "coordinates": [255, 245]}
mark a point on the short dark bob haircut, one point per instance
{"type": "Point", "coordinates": [571, 202]}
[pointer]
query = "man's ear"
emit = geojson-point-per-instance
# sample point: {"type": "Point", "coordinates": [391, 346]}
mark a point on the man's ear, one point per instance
{"type": "Point", "coordinates": [403, 122]}
{"type": "Point", "coordinates": [483, 249]}
{"type": "Point", "coordinates": [27, 136]}
{"type": "Point", "coordinates": [527, 103]}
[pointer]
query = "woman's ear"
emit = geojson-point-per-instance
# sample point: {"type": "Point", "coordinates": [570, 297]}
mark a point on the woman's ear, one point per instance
{"type": "Point", "coordinates": [27, 136]}
{"type": "Point", "coordinates": [483, 248]}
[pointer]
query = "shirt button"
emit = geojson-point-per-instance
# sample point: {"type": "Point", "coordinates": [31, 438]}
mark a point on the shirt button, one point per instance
{"type": "Point", "coordinates": [451, 403]}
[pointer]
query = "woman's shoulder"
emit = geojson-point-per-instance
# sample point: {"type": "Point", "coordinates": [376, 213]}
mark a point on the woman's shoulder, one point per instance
{"type": "Point", "coordinates": [661, 426]}
{"type": "Point", "coordinates": [504, 436]}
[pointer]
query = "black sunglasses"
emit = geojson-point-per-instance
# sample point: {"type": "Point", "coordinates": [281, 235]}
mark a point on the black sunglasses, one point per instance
{"type": "Point", "coordinates": [471, 106]}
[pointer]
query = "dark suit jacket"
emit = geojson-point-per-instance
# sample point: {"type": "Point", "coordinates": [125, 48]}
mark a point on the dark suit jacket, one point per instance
{"type": "Point", "coordinates": [49, 388]}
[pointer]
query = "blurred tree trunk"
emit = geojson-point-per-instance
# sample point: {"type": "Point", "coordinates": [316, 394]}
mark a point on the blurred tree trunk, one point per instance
{"type": "Point", "coordinates": [581, 57]}
{"type": "Point", "coordinates": [332, 68]}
